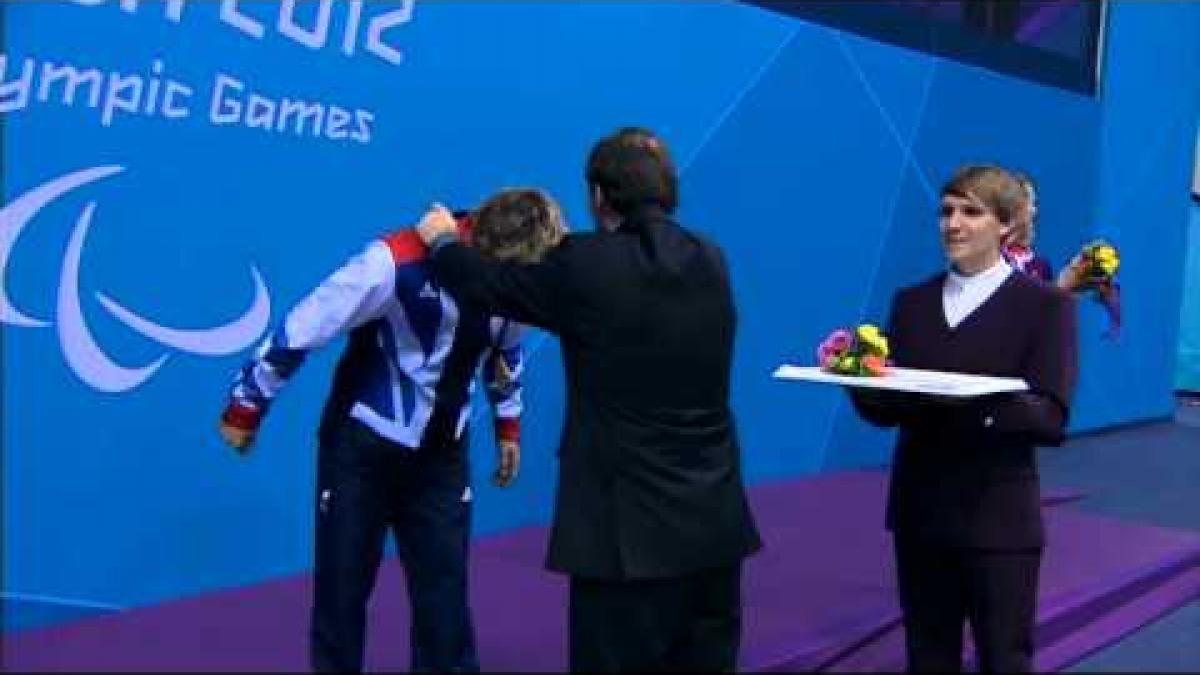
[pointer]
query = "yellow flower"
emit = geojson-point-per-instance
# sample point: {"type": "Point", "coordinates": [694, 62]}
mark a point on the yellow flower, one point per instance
{"type": "Point", "coordinates": [878, 346]}
{"type": "Point", "coordinates": [872, 341]}
{"type": "Point", "coordinates": [1106, 259]}
{"type": "Point", "coordinates": [1102, 259]}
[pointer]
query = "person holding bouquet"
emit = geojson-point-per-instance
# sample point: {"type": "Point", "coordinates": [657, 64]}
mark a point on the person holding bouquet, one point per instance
{"type": "Point", "coordinates": [1018, 248]}
{"type": "Point", "coordinates": [963, 503]}
{"type": "Point", "coordinates": [1092, 271]}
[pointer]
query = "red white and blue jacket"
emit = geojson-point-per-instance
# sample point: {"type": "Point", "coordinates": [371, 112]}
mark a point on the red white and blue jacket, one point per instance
{"type": "Point", "coordinates": [408, 368]}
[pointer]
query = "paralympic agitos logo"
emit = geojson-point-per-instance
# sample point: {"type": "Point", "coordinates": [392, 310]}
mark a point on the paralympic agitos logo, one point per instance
{"type": "Point", "coordinates": [79, 348]}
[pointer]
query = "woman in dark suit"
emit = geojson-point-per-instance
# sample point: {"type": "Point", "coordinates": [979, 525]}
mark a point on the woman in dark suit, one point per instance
{"type": "Point", "coordinates": [963, 504]}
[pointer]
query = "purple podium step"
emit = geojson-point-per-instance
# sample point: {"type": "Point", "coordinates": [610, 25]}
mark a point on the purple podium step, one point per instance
{"type": "Point", "coordinates": [1101, 579]}
{"type": "Point", "coordinates": [819, 596]}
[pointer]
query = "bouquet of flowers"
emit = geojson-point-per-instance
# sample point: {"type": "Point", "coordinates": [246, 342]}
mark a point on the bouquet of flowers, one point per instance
{"type": "Point", "coordinates": [863, 352]}
{"type": "Point", "coordinates": [1101, 261]}
{"type": "Point", "coordinates": [1094, 271]}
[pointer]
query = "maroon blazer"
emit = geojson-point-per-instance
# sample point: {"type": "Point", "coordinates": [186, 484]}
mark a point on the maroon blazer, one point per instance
{"type": "Point", "coordinates": [965, 472]}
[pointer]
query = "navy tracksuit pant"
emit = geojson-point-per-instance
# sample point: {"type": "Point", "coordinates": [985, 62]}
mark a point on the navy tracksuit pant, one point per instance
{"type": "Point", "coordinates": [367, 485]}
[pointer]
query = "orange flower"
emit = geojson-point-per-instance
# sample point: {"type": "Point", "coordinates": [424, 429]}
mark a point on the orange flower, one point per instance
{"type": "Point", "coordinates": [875, 365]}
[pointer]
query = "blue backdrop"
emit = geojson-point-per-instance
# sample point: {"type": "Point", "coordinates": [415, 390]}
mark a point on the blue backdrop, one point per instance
{"type": "Point", "coordinates": [813, 156]}
{"type": "Point", "coordinates": [1187, 374]}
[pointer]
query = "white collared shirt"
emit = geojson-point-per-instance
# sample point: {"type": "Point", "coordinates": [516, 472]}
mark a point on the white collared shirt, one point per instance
{"type": "Point", "coordinates": [962, 295]}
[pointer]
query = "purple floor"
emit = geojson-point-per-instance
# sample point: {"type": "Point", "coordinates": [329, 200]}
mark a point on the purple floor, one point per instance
{"type": "Point", "coordinates": [818, 597]}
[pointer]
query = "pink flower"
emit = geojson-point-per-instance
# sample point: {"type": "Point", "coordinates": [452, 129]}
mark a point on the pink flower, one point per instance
{"type": "Point", "coordinates": [823, 352]}
{"type": "Point", "coordinates": [840, 340]}
{"type": "Point", "coordinates": [838, 343]}
{"type": "Point", "coordinates": [846, 353]}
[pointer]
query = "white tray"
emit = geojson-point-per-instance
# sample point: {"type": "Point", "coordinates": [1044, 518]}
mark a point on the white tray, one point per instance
{"type": "Point", "coordinates": [911, 380]}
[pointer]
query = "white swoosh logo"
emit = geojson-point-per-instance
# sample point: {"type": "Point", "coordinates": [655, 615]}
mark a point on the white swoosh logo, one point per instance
{"type": "Point", "coordinates": [79, 347]}
{"type": "Point", "coordinates": [16, 215]}
{"type": "Point", "coordinates": [81, 351]}
{"type": "Point", "coordinates": [227, 339]}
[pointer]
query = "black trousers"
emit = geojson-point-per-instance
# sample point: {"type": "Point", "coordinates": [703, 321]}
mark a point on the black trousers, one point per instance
{"type": "Point", "coordinates": [941, 587]}
{"type": "Point", "coordinates": [687, 623]}
{"type": "Point", "coordinates": [367, 485]}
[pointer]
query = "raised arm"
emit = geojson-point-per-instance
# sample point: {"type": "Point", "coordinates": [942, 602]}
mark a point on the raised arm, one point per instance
{"type": "Point", "coordinates": [527, 292]}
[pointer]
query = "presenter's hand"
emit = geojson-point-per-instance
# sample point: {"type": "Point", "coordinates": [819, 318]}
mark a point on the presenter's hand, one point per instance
{"type": "Point", "coordinates": [438, 220]}
{"type": "Point", "coordinates": [1074, 276]}
{"type": "Point", "coordinates": [508, 465]}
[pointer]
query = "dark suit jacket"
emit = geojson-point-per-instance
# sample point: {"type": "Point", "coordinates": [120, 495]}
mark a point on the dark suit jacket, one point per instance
{"type": "Point", "coordinates": [650, 482]}
{"type": "Point", "coordinates": [966, 473]}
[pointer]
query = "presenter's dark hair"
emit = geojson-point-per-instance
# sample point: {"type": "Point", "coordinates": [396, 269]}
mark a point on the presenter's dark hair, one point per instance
{"type": "Point", "coordinates": [633, 169]}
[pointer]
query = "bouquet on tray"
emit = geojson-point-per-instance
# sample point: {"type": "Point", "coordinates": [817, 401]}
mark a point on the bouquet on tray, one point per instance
{"type": "Point", "coordinates": [863, 352]}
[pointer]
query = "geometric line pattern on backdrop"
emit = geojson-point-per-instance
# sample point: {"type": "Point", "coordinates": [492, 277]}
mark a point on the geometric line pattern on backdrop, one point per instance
{"type": "Point", "coordinates": [719, 122]}
{"type": "Point", "coordinates": [908, 159]}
